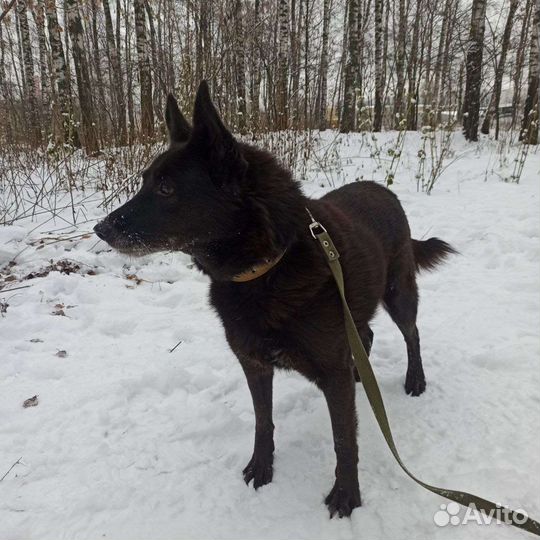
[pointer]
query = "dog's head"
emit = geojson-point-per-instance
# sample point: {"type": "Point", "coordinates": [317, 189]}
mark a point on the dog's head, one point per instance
{"type": "Point", "coordinates": [190, 193]}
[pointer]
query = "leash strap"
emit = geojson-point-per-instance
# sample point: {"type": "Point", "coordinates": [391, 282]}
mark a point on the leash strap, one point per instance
{"type": "Point", "coordinates": [374, 396]}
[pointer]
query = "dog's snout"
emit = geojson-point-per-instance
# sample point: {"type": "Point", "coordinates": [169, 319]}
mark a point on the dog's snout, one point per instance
{"type": "Point", "coordinates": [104, 230]}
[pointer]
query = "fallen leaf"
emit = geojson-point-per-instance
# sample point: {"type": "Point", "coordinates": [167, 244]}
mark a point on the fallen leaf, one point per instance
{"type": "Point", "coordinates": [135, 278]}
{"type": "Point", "coordinates": [31, 402]}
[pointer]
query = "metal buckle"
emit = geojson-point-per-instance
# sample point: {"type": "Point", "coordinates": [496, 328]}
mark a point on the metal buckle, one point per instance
{"type": "Point", "coordinates": [315, 225]}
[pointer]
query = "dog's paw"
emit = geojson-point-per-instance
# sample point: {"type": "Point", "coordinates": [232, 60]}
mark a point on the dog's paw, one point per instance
{"type": "Point", "coordinates": [343, 500]}
{"type": "Point", "coordinates": [260, 470]}
{"type": "Point", "coordinates": [415, 384]}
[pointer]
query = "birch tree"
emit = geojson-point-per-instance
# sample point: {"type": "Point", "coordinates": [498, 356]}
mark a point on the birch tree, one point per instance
{"type": "Point", "coordinates": [400, 63]}
{"type": "Point", "coordinates": [444, 93]}
{"type": "Point", "coordinates": [493, 107]}
{"type": "Point", "coordinates": [76, 34]}
{"type": "Point", "coordinates": [240, 67]}
{"type": "Point", "coordinates": [295, 60]}
{"type": "Point", "coordinates": [379, 67]}
{"type": "Point", "coordinates": [322, 79]}
{"type": "Point", "coordinates": [4, 93]}
{"type": "Point", "coordinates": [60, 87]}
{"type": "Point", "coordinates": [98, 83]}
{"type": "Point", "coordinates": [28, 64]}
{"type": "Point", "coordinates": [351, 71]}
{"type": "Point", "coordinates": [521, 52]}
{"type": "Point", "coordinates": [117, 93]}
{"type": "Point", "coordinates": [145, 75]}
{"type": "Point", "coordinates": [433, 98]}
{"type": "Point", "coordinates": [307, 74]}
{"type": "Point", "coordinates": [3, 77]}
{"type": "Point", "coordinates": [412, 70]}
{"type": "Point", "coordinates": [529, 124]}
{"type": "Point", "coordinates": [38, 13]}
{"type": "Point", "coordinates": [255, 86]}
{"type": "Point", "coordinates": [282, 106]}
{"type": "Point", "coordinates": [473, 65]}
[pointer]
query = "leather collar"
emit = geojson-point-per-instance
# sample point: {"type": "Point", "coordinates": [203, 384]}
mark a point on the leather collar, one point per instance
{"type": "Point", "coordinates": [258, 270]}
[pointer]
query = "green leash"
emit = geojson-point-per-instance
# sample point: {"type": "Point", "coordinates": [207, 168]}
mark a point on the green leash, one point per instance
{"type": "Point", "coordinates": [373, 393]}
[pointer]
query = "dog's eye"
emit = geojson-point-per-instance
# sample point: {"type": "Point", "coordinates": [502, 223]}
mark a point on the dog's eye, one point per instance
{"type": "Point", "coordinates": [165, 189]}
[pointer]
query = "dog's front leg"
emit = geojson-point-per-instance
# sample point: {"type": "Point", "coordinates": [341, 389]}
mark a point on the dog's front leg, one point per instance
{"type": "Point", "coordinates": [338, 388]}
{"type": "Point", "coordinates": [259, 469]}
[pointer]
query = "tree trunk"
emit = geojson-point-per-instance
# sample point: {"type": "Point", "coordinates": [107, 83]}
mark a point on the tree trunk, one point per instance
{"type": "Point", "coordinates": [28, 64]}
{"type": "Point", "coordinates": [379, 67]}
{"type": "Point", "coordinates": [158, 66]}
{"type": "Point", "coordinates": [203, 47]}
{"type": "Point", "coordinates": [493, 108]}
{"type": "Point", "coordinates": [400, 64]}
{"type": "Point", "coordinates": [322, 79]}
{"type": "Point", "coordinates": [529, 124]}
{"type": "Point", "coordinates": [361, 22]}
{"type": "Point", "coordinates": [119, 106]}
{"type": "Point", "coordinates": [101, 109]}
{"type": "Point", "coordinates": [3, 78]}
{"type": "Point", "coordinates": [44, 66]}
{"type": "Point", "coordinates": [443, 99]}
{"type": "Point", "coordinates": [240, 67]}
{"type": "Point", "coordinates": [256, 67]}
{"type": "Point", "coordinates": [520, 60]}
{"type": "Point", "coordinates": [295, 32]}
{"type": "Point", "coordinates": [412, 70]}
{"type": "Point", "coordinates": [4, 91]}
{"type": "Point", "coordinates": [473, 65]}
{"type": "Point", "coordinates": [351, 70]}
{"type": "Point", "coordinates": [282, 106]}
{"type": "Point", "coordinates": [62, 124]}
{"type": "Point", "coordinates": [129, 66]}
{"type": "Point", "coordinates": [438, 68]}
{"type": "Point", "coordinates": [82, 75]}
{"type": "Point", "coordinates": [307, 78]}
{"type": "Point", "coordinates": [145, 75]}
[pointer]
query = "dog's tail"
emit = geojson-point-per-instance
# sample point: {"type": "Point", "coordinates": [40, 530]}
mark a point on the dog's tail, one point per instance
{"type": "Point", "coordinates": [429, 253]}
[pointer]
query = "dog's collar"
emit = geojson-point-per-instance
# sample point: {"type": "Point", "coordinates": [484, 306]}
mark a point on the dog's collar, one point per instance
{"type": "Point", "coordinates": [258, 270]}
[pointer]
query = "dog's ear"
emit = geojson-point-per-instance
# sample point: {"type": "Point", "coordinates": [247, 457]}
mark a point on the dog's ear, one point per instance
{"type": "Point", "coordinates": [227, 165]}
{"type": "Point", "coordinates": [178, 127]}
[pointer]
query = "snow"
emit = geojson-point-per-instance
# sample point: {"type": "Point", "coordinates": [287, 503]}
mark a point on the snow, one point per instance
{"type": "Point", "coordinates": [130, 440]}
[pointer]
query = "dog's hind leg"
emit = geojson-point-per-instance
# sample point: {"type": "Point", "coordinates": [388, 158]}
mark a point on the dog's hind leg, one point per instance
{"type": "Point", "coordinates": [260, 467]}
{"type": "Point", "coordinates": [366, 335]}
{"type": "Point", "coordinates": [401, 302]}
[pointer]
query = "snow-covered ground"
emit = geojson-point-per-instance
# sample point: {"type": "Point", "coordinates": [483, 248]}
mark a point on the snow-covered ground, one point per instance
{"type": "Point", "coordinates": [130, 440]}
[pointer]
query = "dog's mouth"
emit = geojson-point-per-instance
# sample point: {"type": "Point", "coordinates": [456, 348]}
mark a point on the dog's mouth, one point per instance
{"type": "Point", "coordinates": [133, 250]}
{"type": "Point", "coordinates": [133, 244]}
{"type": "Point", "coordinates": [137, 244]}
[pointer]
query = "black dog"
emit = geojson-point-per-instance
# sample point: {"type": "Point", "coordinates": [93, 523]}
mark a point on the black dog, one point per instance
{"type": "Point", "coordinates": [243, 219]}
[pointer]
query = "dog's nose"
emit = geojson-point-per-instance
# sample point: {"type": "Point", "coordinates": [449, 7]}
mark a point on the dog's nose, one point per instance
{"type": "Point", "coordinates": [103, 229]}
